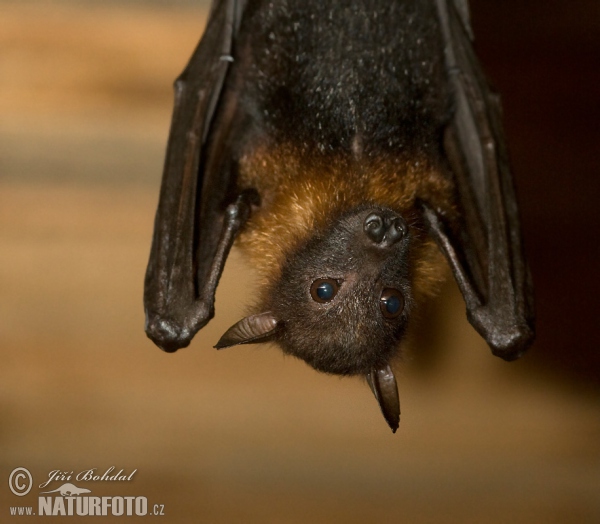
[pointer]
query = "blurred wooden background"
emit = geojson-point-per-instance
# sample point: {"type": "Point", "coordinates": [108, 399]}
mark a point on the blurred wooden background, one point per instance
{"type": "Point", "coordinates": [246, 435]}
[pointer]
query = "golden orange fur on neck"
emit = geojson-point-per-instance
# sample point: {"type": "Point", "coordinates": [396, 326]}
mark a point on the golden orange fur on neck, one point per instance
{"type": "Point", "coordinates": [303, 192]}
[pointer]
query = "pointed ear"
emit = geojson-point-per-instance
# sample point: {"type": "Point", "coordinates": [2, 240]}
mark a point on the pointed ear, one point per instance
{"type": "Point", "coordinates": [255, 328]}
{"type": "Point", "coordinates": [384, 387]}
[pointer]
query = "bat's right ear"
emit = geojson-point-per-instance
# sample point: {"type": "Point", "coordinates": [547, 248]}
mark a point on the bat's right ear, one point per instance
{"type": "Point", "coordinates": [255, 328]}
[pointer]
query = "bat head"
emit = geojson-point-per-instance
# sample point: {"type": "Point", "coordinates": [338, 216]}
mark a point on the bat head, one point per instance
{"type": "Point", "coordinates": [343, 298]}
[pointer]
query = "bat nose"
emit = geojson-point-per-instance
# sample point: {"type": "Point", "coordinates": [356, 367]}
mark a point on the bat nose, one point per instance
{"type": "Point", "coordinates": [384, 229]}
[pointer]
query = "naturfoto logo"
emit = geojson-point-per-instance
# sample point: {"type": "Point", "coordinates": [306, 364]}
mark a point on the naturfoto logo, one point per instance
{"type": "Point", "coordinates": [70, 499]}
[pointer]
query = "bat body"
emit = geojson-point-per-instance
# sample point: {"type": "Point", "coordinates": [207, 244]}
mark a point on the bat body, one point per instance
{"type": "Point", "coordinates": [351, 147]}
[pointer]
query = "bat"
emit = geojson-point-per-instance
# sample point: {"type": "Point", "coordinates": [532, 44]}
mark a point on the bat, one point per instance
{"type": "Point", "coordinates": [353, 150]}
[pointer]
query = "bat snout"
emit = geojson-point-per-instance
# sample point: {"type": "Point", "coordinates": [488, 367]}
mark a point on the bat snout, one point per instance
{"type": "Point", "coordinates": [384, 228]}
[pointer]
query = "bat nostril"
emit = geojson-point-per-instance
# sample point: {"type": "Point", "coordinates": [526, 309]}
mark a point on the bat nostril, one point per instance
{"type": "Point", "coordinates": [374, 227]}
{"type": "Point", "coordinates": [396, 231]}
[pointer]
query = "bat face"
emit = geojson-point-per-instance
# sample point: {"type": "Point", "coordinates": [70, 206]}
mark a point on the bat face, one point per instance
{"type": "Point", "coordinates": [343, 299]}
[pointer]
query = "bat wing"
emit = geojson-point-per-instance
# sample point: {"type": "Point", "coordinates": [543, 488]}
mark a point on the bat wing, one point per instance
{"type": "Point", "coordinates": [485, 251]}
{"type": "Point", "coordinates": [197, 217]}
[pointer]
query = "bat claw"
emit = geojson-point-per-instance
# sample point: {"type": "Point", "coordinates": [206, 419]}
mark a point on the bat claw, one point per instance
{"type": "Point", "coordinates": [167, 335]}
{"type": "Point", "coordinates": [512, 346]}
{"type": "Point", "coordinates": [510, 342]}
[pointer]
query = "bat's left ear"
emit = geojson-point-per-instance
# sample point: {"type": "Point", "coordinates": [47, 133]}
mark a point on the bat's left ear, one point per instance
{"type": "Point", "coordinates": [383, 385]}
{"type": "Point", "coordinates": [255, 328]}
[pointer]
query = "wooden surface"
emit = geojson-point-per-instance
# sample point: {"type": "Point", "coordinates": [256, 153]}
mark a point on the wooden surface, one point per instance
{"type": "Point", "coordinates": [245, 434]}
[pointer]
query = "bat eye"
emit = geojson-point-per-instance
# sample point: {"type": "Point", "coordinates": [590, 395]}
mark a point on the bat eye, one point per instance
{"type": "Point", "coordinates": [391, 303]}
{"type": "Point", "coordinates": [323, 290]}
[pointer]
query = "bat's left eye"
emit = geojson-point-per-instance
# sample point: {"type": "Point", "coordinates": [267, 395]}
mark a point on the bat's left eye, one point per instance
{"type": "Point", "coordinates": [391, 303]}
{"type": "Point", "coordinates": [323, 290]}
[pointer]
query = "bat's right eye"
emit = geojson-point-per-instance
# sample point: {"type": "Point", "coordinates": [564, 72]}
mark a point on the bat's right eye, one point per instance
{"type": "Point", "coordinates": [323, 290]}
{"type": "Point", "coordinates": [391, 303]}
